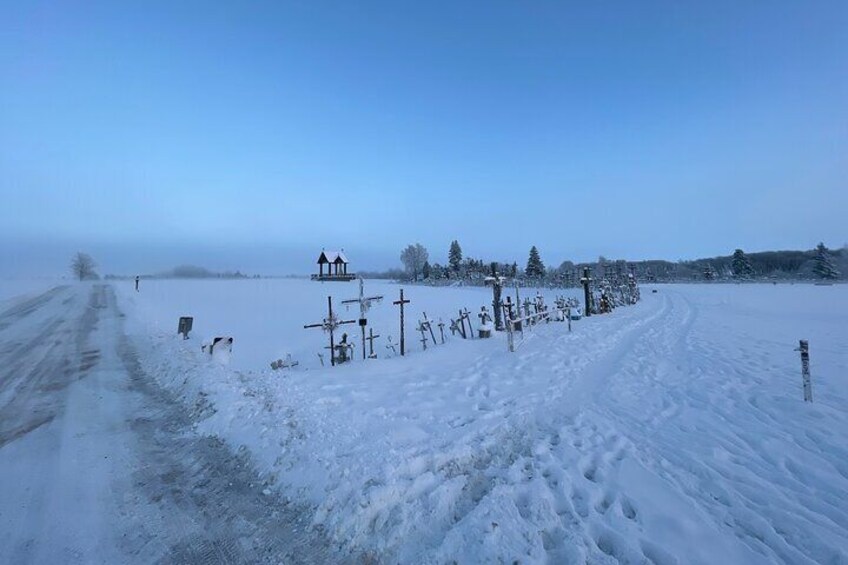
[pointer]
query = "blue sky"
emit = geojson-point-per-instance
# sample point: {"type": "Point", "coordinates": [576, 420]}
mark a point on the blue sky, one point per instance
{"type": "Point", "coordinates": [250, 135]}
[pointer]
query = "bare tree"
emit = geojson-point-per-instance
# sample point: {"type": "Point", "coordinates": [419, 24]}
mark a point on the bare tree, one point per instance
{"type": "Point", "coordinates": [413, 258]}
{"type": "Point", "coordinates": [82, 266]}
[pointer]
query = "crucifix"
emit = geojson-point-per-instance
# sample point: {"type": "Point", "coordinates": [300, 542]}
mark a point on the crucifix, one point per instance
{"type": "Point", "coordinates": [371, 337]}
{"type": "Point", "coordinates": [587, 295]}
{"type": "Point", "coordinates": [364, 305]}
{"type": "Point", "coordinates": [400, 303]}
{"type": "Point", "coordinates": [329, 325]}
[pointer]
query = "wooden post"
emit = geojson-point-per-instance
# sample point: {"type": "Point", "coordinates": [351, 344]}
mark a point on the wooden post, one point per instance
{"type": "Point", "coordinates": [441, 325]}
{"type": "Point", "coordinates": [805, 370]}
{"type": "Point", "coordinates": [510, 337]}
{"type": "Point", "coordinates": [400, 303]}
{"type": "Point", "coordinates": [587, 295]}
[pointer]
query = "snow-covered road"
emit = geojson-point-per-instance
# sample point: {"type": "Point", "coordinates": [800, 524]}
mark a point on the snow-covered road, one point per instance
{"type": "Point", "coordinates": [100, 465]}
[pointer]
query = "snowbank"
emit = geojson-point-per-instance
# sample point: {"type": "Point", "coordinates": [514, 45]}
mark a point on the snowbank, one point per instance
{"type": "Point", "coordinates": [673, 431]}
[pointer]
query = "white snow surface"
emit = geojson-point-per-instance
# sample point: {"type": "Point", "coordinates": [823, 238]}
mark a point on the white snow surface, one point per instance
{"type": "Point", "coordinates": [673, 431]}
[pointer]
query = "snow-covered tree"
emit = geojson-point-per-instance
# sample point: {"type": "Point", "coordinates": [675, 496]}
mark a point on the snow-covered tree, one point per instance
{"type": "Point", "coordinates": [413, 259]}
{"type": "Point", "coordinates": [82, 266]}
{"type": "Point", "coordinates": [823, 264]}
{"type": "Point", "coordinates": [535, 267]}
{"type": "Point", "coordinates": [741, 266]}
{"type": "Point", "coordinates": [455, 255]}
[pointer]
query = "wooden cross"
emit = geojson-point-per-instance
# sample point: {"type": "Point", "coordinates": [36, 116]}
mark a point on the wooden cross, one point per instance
{"type": "Point", "coordinates": [465, 316]}
{"type": "Point", "coordinates": [371, 337]}
{"type": "Point", "coordinates": [429, 326]}
{"type": "Point", "coordinates": [329, 325]}
{"type": "Point", "coordinates": [484, 316]}
{"type": "Point", "coordinates": [423, 340]}
{"type": "Point", "coordinates": [441, 325]}
{"type": "Point", "coordinates": [400, 303]}
{"type": "Point", "coordinates": [456, 327]}
{"type": "Point", "coordinates": [364, 305]}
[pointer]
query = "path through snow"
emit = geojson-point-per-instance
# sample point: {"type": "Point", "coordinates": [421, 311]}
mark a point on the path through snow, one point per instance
{"type": "Point", "coordinates": [100, 465]}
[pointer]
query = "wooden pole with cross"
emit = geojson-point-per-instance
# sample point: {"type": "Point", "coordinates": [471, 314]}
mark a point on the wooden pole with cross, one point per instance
{"type": "Point", "coordinates": [401, 303]}
{"type": "Point", "coordinates": [364, 305]}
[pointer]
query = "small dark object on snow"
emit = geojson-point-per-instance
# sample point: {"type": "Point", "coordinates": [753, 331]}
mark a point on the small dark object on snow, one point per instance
{"type": "Point", "coordinates": [654, 291]}
{"type": "Point", "coordinates": [184, 326]}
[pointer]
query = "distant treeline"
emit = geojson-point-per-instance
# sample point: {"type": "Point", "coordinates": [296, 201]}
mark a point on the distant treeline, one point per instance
{"type": "Point", "coordinates": [815, 264]}
{"type": "Point", "coordinates": [187, 272]}
{"type": "Point", "coordinates": [765, 265]}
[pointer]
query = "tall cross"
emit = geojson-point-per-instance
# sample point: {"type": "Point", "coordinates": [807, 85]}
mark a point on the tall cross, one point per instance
{"type": "Point", "coordinates": [400, 303]}
{"type": "Point", "coordinates": [364, 305]}
{"type": "Point", "coordinates": [329, 325]}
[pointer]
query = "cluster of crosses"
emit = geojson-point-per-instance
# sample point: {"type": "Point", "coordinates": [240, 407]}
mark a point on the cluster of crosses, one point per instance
{"type": "Point", "coordinates": [506, 314]}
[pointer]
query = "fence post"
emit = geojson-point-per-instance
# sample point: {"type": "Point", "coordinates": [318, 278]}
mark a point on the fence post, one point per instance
{"type": "Point", "coordinates": [805, 370]}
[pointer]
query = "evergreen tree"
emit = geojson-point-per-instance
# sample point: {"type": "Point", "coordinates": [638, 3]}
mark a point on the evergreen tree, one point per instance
{"type": "Point", "coordinates": [513, 270]}
{"type": "Point", "coordinates": [425, 270]}
{"type": "Point", "coordinates": [823, 267]}
{"type": "Point", "coordinates": [741, 266]}
{"type": "Point", "coordinates": [535, 267]}
{"type": "Point", "coordinates": [455, 255]}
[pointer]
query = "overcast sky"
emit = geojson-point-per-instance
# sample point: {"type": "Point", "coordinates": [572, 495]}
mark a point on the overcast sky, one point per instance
{"type": "Point", "coordinates": [250, 136]}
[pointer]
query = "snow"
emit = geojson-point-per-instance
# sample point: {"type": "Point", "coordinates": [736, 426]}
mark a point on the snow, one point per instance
{"type": "Point", "coordinates": [673, 431]}
{"type": "Point", "coordinates": [13, 290]}
{"type": "Point", "coordinates": [266, 316]}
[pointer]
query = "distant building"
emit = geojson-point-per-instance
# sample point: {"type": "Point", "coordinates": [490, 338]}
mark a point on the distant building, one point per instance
{"type": "Point", "coordinates": [336, 263]}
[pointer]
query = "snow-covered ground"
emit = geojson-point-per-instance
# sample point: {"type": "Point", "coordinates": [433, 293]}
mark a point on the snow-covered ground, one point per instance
{"type": "Point", "coordinates": [13, 290]}
{"type": "Point", "coordinates": [266, 316]}
{"type": "Point", "coordinates": [673, 431]}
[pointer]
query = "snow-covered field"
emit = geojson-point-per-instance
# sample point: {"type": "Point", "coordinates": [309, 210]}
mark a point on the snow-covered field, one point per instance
{"type": "Point", "coordinates": [673, 431]}
{"type": "Point", "coordinates": [13, 290]}
{"type": "Point", "coordinates": [266, 316]}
